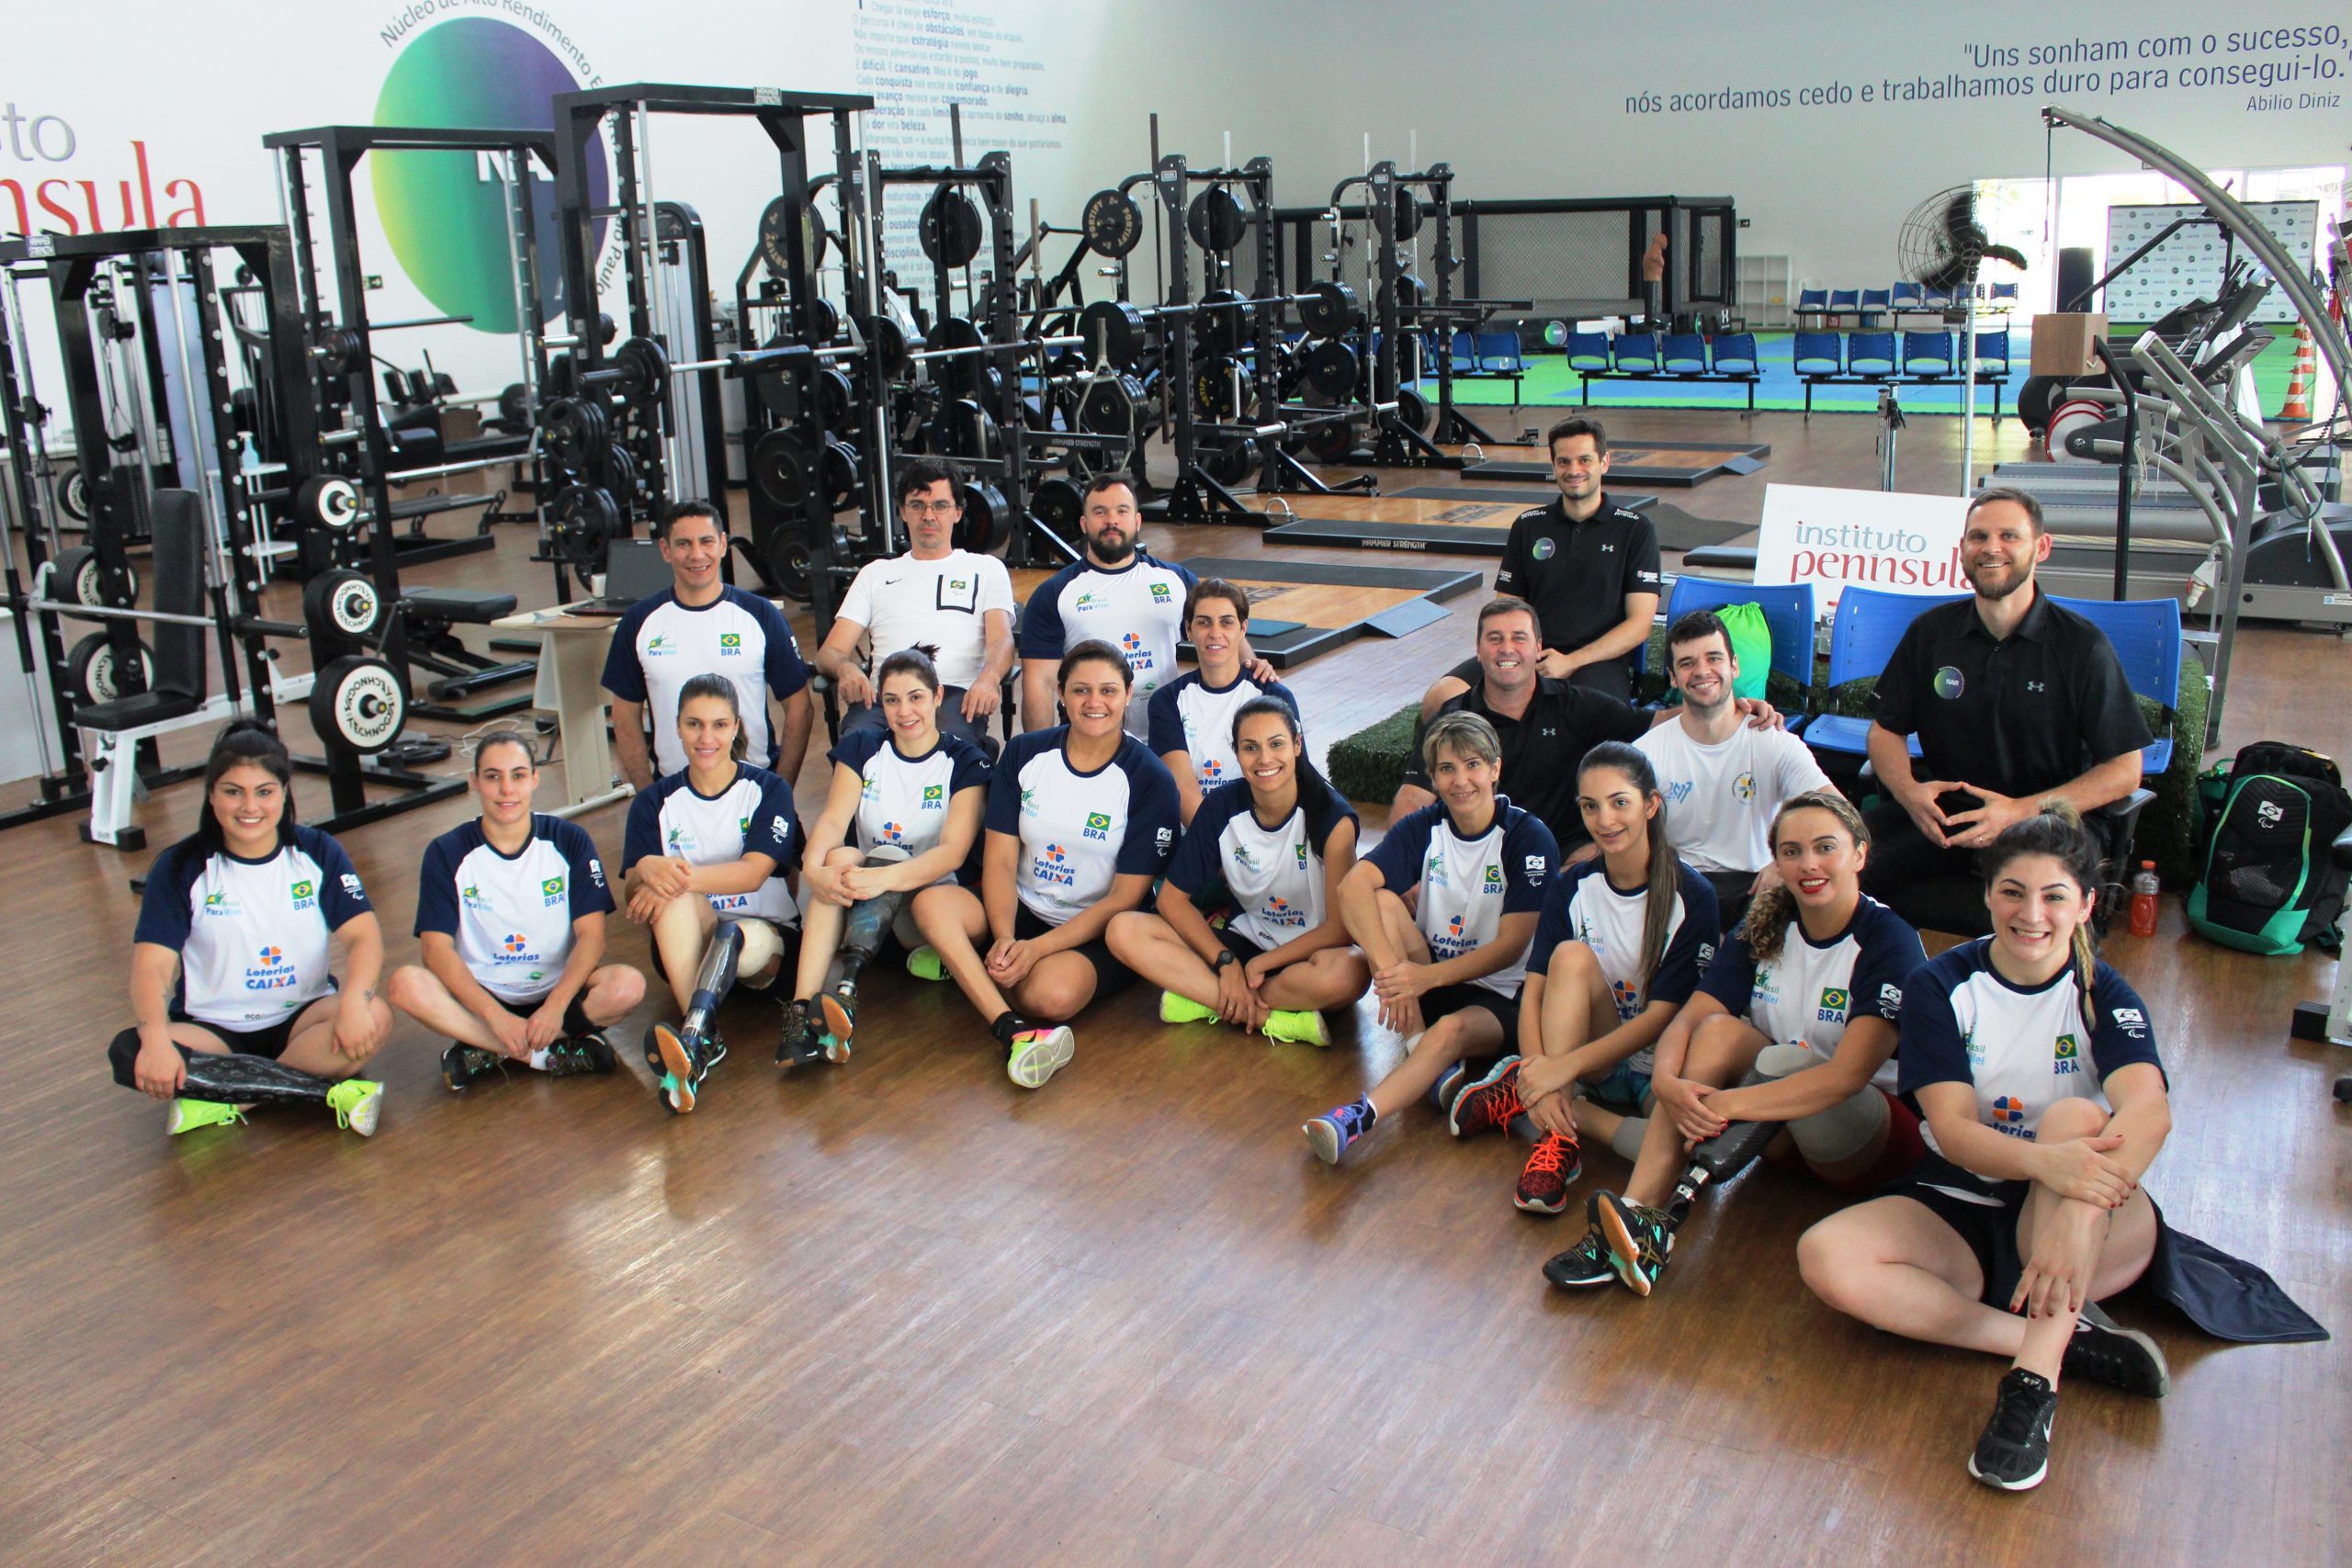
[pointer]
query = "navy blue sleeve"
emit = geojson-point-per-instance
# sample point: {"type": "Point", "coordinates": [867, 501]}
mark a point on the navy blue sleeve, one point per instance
{"type": "Point", "coordinates": [787, 674]}
{"type": "Point", "coordinates": [641, 836]}
{"type": "Point", "coordinates": [1041, 618]}
{"type": "Point", "coordinates": [1529, 857]}
{"type": "Point", "coordinates": [1552, 927]}
{"type": "Point", "coordinates": [1931, 1051]}
{"type": "Point", "coordinates": [1199, 853]}
{"type": "Point", "coordinates": [1186, 573]}
{"type": "Point", "coordinates": [775, 825]}
{"type": "Point", "coordinates": [162, 907]}
{"type": "Point", "coordinates": [1398, 853]}
{"type": "Point", "coordinates": [1153, 815]}
{"type": "Point", "coordinates": [2124, 1034]}
{"type": "Point", "coordinates": [590, 896]}
{"type": "Point", "coordinates": [341, 896]}
{"type": "Point", "coordinates": [436, 889]}
{"type": "Point", "coordinates": [624, 676]}
{"type": "Point", "coordinates": [1890, 955]}
{"type": "Point", "coordinates": [1338, 809]}
{"type": "Point", "coordinates": [970, 769]}
{"type": "Point", "coordinates": [856, 749]}
{"type": "Point", "coordinates": [1731, 978]}
{"type": "Point", "coordinates": [1004, 783]}
{"type": "Point", "coordinates": [1166, 726]}
{"type": "Point", "coordinates": [1692, 946]}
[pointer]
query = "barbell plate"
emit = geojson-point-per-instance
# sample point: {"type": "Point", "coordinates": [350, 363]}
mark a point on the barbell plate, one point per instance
{"type": "Point", "coordinates": [1329, 310]}
{"type": "Point", "coordinates": [73, 494]}
{"type": "Point", "coordinates": [1332, 367]}
{"type": "Point", "coordinates": [836, 397]}
{"type": "Point", "coordinates": [1213, 390]}
{"type": "Point", "coordinates": [327, 501]}
{"type": "Point", "coordinates": [1118, 327]}
{"type": "Point", "coordinates": [987, 521]}
{"type": "Point", "coordinates": [778, 472]}
{"type": "Point", "coordinates": [1059, 503]}
{"type": "Point", "coordinates": [1409, 213]}
{"type": "Point", "coordinates": [890, 343]}
{"type": "Point", "coordinates": [643, 377]}
{"type": "Point", "coordinates": [956, 376]}
{"type": "Point", "coordinates": [1109, 406]}
{"type": "Point", "coordinates": [573, 428]}
{"type": "Point", "coordinates": [824, 322]}
{"type": "Point", "coordinates": [90, 670]}
{"type": "Point", "coordinates": [842, 473]}
{"type": "Point", "coordinates": [950, 228]}
{"type": "Point", "coordinates": [342, 606]}
{"type": "Point", "coordinates": [359, 703]}
{"type": "Point", "coordinates": [1216, 219]}
{"type": "Point", "coordinates": [1112, 223]}
{"type": "Point", "coordinates": [1331, 443]}
{"type": "Point", "coordinates": [790, 562]}
{"type": "Point", "coordinates": [1217, 327]}
{"type": "Point", "coordinates": [773, 255]}
{"type": "Point", "coordinates": [584, 518]}
{"type": "Point", "coordinates": [964, 429]}
{"type": "Point", "coordinates": [1413, 409]}
{"type": "Point", "coordinates": [620, 469]}
{"type": "Point", "coordinates": [1230, 462]}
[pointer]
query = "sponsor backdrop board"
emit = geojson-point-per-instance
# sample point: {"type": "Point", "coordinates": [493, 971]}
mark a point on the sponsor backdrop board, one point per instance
{"type": "Point", "coordinates": [1867, 538]}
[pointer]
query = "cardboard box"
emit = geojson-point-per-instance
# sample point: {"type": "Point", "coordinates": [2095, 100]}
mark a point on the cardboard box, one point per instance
{"type": "Point", "coordinates": [2062, 345]}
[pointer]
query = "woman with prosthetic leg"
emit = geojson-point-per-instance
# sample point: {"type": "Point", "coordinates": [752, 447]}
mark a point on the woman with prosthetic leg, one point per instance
{"type": "Point", "coordinates": [705, 855]}
{"type": "Point", "coordinates": [903, 813]}
{"type": "Point", "coordinates": [236, 1005]}
{"type": "Point", "coordinates": [1799, 1009]}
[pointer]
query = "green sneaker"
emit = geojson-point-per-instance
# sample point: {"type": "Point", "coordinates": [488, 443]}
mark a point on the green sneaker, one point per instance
{"type": "Point", "coordinates": [923, 963]}
{"type": "Point", "coordinates": [1299, 1027]}
{"type": "Point", "coordinates": [188, 1115]}
{"type": "Point", "coordinates": [356, 1104]}
{"type": "Point", "coordinates": [1039, 1053]}
{"type": "Point", "coordinates": [1174, 1008]}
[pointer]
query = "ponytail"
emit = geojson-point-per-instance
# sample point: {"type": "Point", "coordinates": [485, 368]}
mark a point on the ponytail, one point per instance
{"type": "Point", "coordinates": [1315, 792]}
{"type": "Point", "coordinates": [2057, 830]}
{"type": "Point", "coordinates": [1662, 878]}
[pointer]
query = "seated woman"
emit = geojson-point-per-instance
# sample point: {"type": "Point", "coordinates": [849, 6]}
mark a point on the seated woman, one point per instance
{"type": "Point", "coordinates": [1802, 1004]}
{"type": "Point", "coordinates": [903, 813]}
{"type": "Point", "coordinates": [706, 854]}
{"type": "Point", "coordinates": [1275, 843]}
{"type": "Point", "coordinates": [230, 983]}
{"type": "Point", "coordinates": [1080, 819]}
{"type": "Point", "coordinates": [1618, 951]}
{"type": "Point", "coordinates": [2035, 1065]}
{"type": "Point", "coordinates": [510, 913]}
{"type": "Point", "coordinates": [1446, 967]}
{"type": "Point", "coordinates": [1191, 726]}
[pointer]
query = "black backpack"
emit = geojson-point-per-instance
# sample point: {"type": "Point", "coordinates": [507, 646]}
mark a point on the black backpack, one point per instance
{"type": "Point", "coordinates": [2271, 884]}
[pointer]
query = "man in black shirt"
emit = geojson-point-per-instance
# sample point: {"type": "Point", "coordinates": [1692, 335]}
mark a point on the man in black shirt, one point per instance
{"type": "Point", "coordinates": [1546, 726]}
{"type": "Point", "coordinates": [2016, 701]}
{"type": "Point", "coordinates": [1590, 567]}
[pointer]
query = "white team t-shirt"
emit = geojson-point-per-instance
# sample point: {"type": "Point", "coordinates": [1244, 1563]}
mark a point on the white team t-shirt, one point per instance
{"type": "Point", "coordinates": [904, 602]}
{"type": "Point", "coordinates": [510, 915]}
{"type": "Point", "coordinates": [1137, 608]}
{"type": "Point", "coordinates": [1719, 799]}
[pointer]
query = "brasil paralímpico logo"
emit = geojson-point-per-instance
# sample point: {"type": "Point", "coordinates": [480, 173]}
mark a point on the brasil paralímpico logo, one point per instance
{"type": "Point", "coordinates": [444, 213]}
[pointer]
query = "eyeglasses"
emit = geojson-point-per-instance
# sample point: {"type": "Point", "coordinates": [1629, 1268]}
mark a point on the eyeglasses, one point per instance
{"type": "Point", "coordinates": [936, 508]}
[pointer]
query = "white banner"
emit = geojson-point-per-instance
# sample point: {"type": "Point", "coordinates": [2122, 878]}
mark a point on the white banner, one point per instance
{"type": "Point", "coordinates": [1871, 538]}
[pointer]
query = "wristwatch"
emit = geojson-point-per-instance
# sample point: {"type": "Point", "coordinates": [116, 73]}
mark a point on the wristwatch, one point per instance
{"type": "Point", "coordinates": [1227, 956]}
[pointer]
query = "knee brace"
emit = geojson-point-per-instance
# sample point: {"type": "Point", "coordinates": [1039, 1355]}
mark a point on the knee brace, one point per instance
{"type": "Point", "coordinates": [713, 979]}
{"type": "Point", "coordinates": [1833, 1136]}
{"type": "Point", "coordinates": [122, 1054]}
{"type": "Point", "coordinates": [763, 945]}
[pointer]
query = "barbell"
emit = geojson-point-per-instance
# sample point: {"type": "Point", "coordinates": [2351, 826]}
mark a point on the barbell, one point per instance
{"type": "Point", "coordinates": [1114, 328]}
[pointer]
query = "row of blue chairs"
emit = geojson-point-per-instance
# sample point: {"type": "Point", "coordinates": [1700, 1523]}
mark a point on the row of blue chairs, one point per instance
{"type": "Point", "coordinates": [1866, 305]}
{"type": "Point", "coordinates": [1731, 357]}
{"type": "Point", "coordinates": [1924, 359]}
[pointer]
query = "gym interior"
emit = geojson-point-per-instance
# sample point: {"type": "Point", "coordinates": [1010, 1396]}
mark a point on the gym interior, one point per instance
{"type": "Point", "coordinates": [343, 347]}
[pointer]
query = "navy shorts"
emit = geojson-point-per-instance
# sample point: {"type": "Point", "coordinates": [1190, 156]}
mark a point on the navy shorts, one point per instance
{"type": "Point", "coordinates": [1985, 1213]}
{"type": "Point", "coordinates": [1111, 976]}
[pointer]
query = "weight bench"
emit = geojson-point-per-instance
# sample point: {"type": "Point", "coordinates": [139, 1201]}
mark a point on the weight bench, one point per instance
{"type": "Point", "coordinates": [429, 617]}
{"type": "Point", "coordinates": [416, 545]}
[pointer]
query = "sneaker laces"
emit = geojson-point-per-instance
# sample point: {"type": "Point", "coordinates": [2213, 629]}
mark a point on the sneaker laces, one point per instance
{"type": "Point", "coordinates": [2015, 1408]}
{"type": "Point", "coordinates": [1551, 1155]}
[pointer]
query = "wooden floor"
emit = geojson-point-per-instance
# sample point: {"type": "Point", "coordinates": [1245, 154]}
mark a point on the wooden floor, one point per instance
{"type": "Point", "coordinates": [903, 1311]}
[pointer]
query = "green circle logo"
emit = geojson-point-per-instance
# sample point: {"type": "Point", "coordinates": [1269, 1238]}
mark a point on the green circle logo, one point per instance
{"type": "Point", "coordinates": [446, 212]}
{"type": "Point", "coordinates": [1949, 683]}
{"type": "Point", "coordinates": [1544, 548]}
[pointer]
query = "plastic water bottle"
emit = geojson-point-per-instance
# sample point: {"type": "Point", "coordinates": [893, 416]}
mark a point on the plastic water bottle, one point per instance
{"type": "Point", "coordinates": [2143, 899]}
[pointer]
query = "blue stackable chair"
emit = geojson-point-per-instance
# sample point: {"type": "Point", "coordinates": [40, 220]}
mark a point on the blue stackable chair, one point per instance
{"type": "Point", "coordinates": [1862, 635]}
{"type": "Point", "coordinates": [2146, 636]}
{"type": "Point", "coordinates": [1906, 298]}
{"type": "Point", "coordinates": [1819, 354]}
{"type": "Point", "coordinates": [1876, 304]}
{"type": "Point", "coordinates": [1871, 354]}
{"type": "Point", "coordinates": [1463, 349]}
{"type": "Point", "coordinates": [1685, 355]}
{"type": "Point", "coordinates": [1788, 613]}
{"type": "Point", "coordinates": [1847, 302]}
{"type": "Point", "coordinates": [1587, 351]}
{"type": "Point", "coordinates": [1634, 351]}
{"type": "Point", "coordinates": [1813, 304]}
{"type": "Point", "coordinates": [1500, 353]}
{"type": "Point", "coordinates": [1929, 354]}
{"type": "Point", "coordinates": [1735, 353]}
{"type": "Point", "coordinates": [1993, 354]}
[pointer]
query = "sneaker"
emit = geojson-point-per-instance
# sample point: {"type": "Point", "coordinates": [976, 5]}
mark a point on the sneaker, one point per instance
{"type": "Point", "coordinates": [1640, 1239]}
{"type": "Point", "coordinates": [800, 1047]}
{"type": "Point", "coordinates": [1448, 1087]}
{"type": "Point", "coordinates": [1551, 1170]}
{"type": "Point", "coordinates": [1174, 1008]}
{"type": "Point", "coordinates": [1331, 1133]}
{"type": "Point", "coordinates": [923, 963]}
{"type": "Point", "coordinates": [838, 1008]}
{"type": "Point", "coordinates": [2014, 1453]}
{"type": "Point", "coordinates": [589, 1052]}
{"type": "Point", "coordinates": [462, 1065]}
{"type": "Point", "coordinates": [1491, 1102]}
{"type": "Point", "coordinates": [2104, 1351]}
{"type": "Point", "coordinates": [188, 1115]}
{"type": "Point", "coordinates": [357, 1104]}
{"type": "Point", "coordinates": [680, 1072]}
{"type": "Point", "coordinates": [1298, 1026]}
{"type": "Point", "coordinates": [1582, 1266]}
{"type": "Point", "coordinates": [1039, 1053]}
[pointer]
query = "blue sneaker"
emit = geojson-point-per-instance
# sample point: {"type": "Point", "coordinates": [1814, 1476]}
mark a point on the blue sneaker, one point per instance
{"type": "Point", "coordinates": [1331, 1133]}
{"type": "Point", "coordinates": [1448, 1087]}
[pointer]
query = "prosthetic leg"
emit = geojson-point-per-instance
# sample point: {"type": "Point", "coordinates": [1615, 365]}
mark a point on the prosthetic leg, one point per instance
{"type": "Point", "coordinates": [868, 922]}
{"type": "Point", "coordinates": [240, 1081]}
{"type": "Point", "coordinates": [1735, 1148]}
{"type": "Point", "coordinates": [683, 1056]}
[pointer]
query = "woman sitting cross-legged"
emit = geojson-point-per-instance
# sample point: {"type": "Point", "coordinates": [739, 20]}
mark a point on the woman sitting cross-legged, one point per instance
{"type": "Point", "coordinates": [902, 815]}
{"type": "Point", "coordinates": [1802, 1004]}
{"type": "Point", "coordinates": [708, 853]}
{"type": "Point", "coordinates": [1081, 818]}
{"type": "Point", "coordinates": [510, 911]}
{"type": "Point", "coordinates": [1446, 967]}
{"type": "Point", "coordinates": [230, 983]}
{"type": "Point", "coordinates": [1619, 950]}
{"type": "Point", "coordinates": [1275, 842]}
{"type": "Point", "coordinates": [2036, 1068]}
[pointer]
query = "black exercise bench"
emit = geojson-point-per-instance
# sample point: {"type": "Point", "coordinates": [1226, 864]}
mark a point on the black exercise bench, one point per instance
{"type": "Point", "coordinates": [429, 617]}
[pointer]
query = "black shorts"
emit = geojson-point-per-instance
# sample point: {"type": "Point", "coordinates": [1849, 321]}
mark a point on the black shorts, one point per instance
{"type": "Point", "coordinates": [270, 1040]}
{"type": "Point", "coordinates": [1111, 976]}
{"type": "Point", "coordinates": [786, 966]}
{"type": "Point", "coordinates": [1988, 1222]}
{"type": "Point", "coordinates": [1446, 999]}
{"type": "Point", "coordinates": [575, 1016]}
{"type": "Point", "coordinates": [1241, 946]}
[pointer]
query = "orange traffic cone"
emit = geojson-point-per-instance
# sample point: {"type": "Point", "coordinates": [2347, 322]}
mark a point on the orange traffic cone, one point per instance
{"type": "Point", "coordinates": [2298, 406]}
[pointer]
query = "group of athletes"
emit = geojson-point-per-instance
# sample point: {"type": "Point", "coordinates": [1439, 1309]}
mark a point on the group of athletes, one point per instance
{"type": "Point", "coordinates": [1589, 922]}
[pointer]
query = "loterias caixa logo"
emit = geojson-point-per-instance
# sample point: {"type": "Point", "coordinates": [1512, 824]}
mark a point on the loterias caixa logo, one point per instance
{"type": "Point", "coordinates": [445, 213]}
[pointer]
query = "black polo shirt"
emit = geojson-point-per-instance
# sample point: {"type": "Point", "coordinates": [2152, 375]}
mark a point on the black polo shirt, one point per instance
{"type": "Point", "coordinates": [1577, 574]}
{"type": "Point", "coordinates": [1541, 751]}
{"type": "Point", "coordinates": [2018, 716]}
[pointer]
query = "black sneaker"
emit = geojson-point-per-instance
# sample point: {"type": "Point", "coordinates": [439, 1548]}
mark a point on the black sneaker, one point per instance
{"type": "Point", "coordinates": [589, 1052]}
{"type": "Point", "coordinates": [2104, 1351]}
{"type": "Point", "coordinates": [837, 1010]}
{"type": "Point", "coordinates": [799, 1046]}
{"type": "Point", "coordinates": [462, 1065]}
{"type": "Point", "coordinates": [2014, 1453]}
{"type": "Point", "coordinates": [1640, 1239]}
{"type": "Point", "coordinates": [1582, 1266]}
